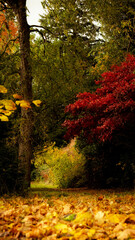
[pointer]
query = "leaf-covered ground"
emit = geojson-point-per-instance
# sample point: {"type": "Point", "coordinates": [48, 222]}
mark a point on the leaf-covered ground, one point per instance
{"type": "Point", "coordinates": [87, 214]}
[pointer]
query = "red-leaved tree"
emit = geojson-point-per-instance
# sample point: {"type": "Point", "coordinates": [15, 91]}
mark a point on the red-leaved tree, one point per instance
{"type": "Point", "coordinates": [99, 114]}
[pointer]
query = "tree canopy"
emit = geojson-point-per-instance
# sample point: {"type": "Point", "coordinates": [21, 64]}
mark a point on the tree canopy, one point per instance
{"type": "Point", "coordinates": [97, 115]}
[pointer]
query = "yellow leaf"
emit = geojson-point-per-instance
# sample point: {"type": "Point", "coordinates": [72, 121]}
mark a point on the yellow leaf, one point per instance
{"type": "Point", "coordinates": [6, 112]}
{"type": "Point", "coordinates": [24, 104]}
{"type": "Point", "coordinates": [91, 232]}
{"type": "Point", "coordinates": [8, 104]}
{"type": "Point", "coordinates": [84, 218]}
{"type": "Point", "coordinates": [114, 218]}
{"type": "Point", "coordinates": [4, 118]}
{"type": "Point", "coordinates": [3, 89]}
{"type": "Point", "coordinates": [17, 96]}
{"type": "Point", "coordinates": [61, 226]}
{"type": "Point", "coordinates": [37, 102]}
{"type": "Point", "coordinates": [1, 105]}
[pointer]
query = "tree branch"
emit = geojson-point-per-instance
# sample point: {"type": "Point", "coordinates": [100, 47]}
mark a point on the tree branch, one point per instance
{"type": "Point", "coordinates": [11, 40]}
{"type": "Point", "coordinates": [44, 28]}
{"type": "Point", "coordinates": [42, 35]}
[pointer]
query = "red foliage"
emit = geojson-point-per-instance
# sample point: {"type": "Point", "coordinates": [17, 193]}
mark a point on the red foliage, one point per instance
{"type": "Point", "coordinates": [97, 115]}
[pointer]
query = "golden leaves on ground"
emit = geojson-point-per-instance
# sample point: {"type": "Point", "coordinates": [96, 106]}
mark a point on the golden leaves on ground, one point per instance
{"type": "Point", "coordinates": [76, 216]}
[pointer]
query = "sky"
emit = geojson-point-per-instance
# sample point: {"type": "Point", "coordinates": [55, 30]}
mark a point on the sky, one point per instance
{"type": "Point", "coordinates": [35, 8]}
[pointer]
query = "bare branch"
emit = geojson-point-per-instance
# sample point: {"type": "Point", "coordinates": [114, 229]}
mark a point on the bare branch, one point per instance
{"type": "Point", "coordinates": [44, 28]}
{"type": "Point", "coordinates": [42, 35]}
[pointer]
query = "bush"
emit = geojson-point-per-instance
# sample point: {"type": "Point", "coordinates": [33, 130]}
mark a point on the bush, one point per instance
{"type": "Point", "coordinates": [66, 165]}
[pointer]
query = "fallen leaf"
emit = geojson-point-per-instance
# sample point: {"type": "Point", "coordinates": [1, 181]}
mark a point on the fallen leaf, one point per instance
{"type": "Point", "coordinates": [113, 218]}
{"type": "Point", "coordinates": [66, 208]}
{"type": "Point", "coordinates": [84, 218]}
{"type": "Point", "coordinates": [69, 217]}
{"type": "Point", "coordinates": [101, 198]}
{"type": "Point", "coordinates": [61, 226]}
{"type": "Point", "coordinates": [35, 233]}
{"type": "Point", "coordinates": [127, 233]}
{"type": "Point", "coordinates": [99, 217]}
{"type": "Point", "coordinates": [130, 219]}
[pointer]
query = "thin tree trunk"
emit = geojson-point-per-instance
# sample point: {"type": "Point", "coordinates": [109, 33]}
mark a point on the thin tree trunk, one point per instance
{"type": "Point", "coordinates": [25, 143]}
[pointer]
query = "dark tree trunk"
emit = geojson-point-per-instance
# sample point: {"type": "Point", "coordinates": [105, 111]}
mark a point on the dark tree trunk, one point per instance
{"type": "Point", "coordinates": [25, 143]}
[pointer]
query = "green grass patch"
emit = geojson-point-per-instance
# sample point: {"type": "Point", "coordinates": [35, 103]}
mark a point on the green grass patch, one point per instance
{"type": "Point", "coordinates": [42, 184]}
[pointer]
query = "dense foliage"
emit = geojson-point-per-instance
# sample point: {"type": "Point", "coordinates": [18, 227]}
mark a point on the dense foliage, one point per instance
{"type": "Point", "coordinates": [109, 108]}
{"type": "Point", "coordinates": [63, 167]}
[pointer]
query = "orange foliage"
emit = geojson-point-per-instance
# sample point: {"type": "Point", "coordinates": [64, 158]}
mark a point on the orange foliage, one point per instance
{"type": "Point", "coordinates": [8, 32]}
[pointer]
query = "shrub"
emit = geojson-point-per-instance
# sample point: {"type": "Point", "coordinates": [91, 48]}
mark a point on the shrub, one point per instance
{"type": "Point", "coordinates": [66, 165]}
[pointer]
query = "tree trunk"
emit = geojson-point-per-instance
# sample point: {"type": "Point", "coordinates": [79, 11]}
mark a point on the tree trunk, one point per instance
{"type": "Point", "coordinates": [25, 143]}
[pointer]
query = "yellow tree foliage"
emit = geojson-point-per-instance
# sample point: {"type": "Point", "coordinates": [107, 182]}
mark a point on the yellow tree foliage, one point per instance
{"type": "Point", "coordinates": [7, 107]}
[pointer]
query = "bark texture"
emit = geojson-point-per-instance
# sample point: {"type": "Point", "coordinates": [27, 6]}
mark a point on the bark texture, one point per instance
{"type": "Point", "coordinates": [25, 143]}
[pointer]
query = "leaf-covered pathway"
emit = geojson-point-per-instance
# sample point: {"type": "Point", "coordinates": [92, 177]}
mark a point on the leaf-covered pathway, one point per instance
{"type": "Point", "coordinates": [69, 215]}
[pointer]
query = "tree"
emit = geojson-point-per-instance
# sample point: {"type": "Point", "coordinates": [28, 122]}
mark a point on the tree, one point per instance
{"type": "Point", "coordinates": [104, 123]}
{"type": "Point", "coordinates": [61, 66]}
{"type": "Point", "coordinates": [25, 143]}
{"type": "Point", "coordinates": [116, 19]}
{"type": "Point", "coordinates": [98, 115]}
{"type": "Point", "coordinates": [71, 25]}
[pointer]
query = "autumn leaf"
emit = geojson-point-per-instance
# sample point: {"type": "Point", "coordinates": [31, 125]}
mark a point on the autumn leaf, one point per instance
{"type": "Point", "coordinates": [17, 96]}
{"type": "Point", "coordinates": [37, 102]}
{"type": "Point", "coordinates": [24, 104]}
{"type": "Point", "coordinates": [69, 217]}
{"type": "Point", "coordinates": [130, 219]}
{"type": "Point", "coordinates": [37, 217]}
{"type": "Point", "coordinates": [61, 226]}
{"type": "Point", "coordinates": [113, 218]}
{"type": "Point", "coordinates": [4, 118]}
{"type": "Point", "coordinates": [8, 104]}
{"type": "Point", "coordinates": [5, 112]}
{"type": "Point", "coordinates": [99, 217]}
{"type": "Point", "coordinates": [126, 234]}
{"type": "Point", "coordinates": [3, 89]}
{"type": "Point", "coordinates": [84, 218]}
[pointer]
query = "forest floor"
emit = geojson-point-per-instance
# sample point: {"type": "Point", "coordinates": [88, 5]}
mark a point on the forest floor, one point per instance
{"type": "Point", "coordinates": [71, 214]}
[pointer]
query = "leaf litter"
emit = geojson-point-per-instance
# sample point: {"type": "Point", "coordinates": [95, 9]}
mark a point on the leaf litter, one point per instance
{"type": "Point", "coordinates": [78, 215]}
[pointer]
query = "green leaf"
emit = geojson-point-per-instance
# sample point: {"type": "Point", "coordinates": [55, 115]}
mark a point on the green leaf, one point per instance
{"type": "Point", "coordinates": [70, 217]}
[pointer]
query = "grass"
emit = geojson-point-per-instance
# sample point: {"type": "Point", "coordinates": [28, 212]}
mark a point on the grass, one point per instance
{"type": "Point", "coordinates": [42, 184]}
